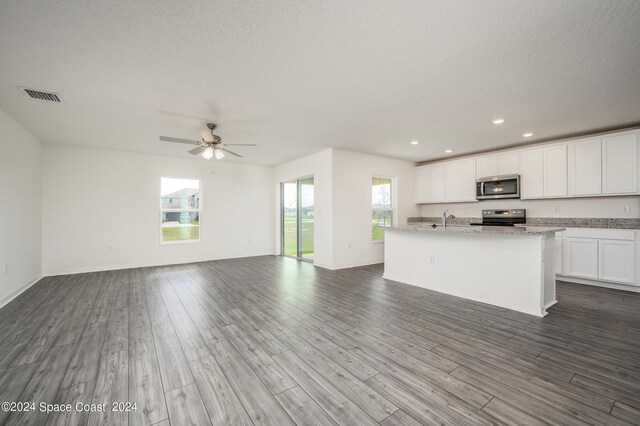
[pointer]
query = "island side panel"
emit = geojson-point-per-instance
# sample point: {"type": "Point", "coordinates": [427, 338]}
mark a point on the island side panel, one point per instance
{"type": "Point", "coordinates": [549, 273]}
{"type": "Point", "coordinates": [502, 270]}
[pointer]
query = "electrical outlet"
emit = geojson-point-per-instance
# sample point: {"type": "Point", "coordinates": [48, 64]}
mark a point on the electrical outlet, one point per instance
{"type": "Point", "coordinates": [557, 210]}
{"type": "Point", "coordinates": [432, 259]}
{"type": "Point", "coordinates": [4, 269]}
{"type": "Point", "coordinates": [110, 246]}
{"type": "Point", "coordinates": [626, 209]}
{"type": "Point", "coordinates": [348, 246]}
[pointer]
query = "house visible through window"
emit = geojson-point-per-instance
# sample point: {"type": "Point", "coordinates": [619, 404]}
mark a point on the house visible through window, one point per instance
{"type": "Point", "coordinates": [179, 210]}
{"type": "Point", "coordinates": [382, 206]}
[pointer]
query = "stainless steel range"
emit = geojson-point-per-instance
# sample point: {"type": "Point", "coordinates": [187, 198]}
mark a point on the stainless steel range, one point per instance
{"type": "Point", "coordinates": [503, 217]}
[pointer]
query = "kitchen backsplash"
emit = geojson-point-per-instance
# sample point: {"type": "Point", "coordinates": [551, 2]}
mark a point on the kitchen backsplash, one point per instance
{"type": "Point", "coordinates": [627, 207]}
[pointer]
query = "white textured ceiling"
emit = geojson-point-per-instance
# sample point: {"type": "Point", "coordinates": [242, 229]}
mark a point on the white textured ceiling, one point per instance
{"type": "Point", "coordinates": [300, 75]}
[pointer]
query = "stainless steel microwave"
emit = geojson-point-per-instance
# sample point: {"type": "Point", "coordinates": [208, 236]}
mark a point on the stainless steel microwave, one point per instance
{"type": "Point", "coordinates": [506, 186]}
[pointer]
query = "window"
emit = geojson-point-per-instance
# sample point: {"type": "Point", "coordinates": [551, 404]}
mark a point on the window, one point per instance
{"type": "Point", "coordinates": [381, 206]}
{"type": "Point", "coordinates": [179, 210]}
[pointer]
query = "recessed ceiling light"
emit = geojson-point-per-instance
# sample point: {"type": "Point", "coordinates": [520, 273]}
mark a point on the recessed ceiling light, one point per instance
{"type": "Point", "coordinates": [527, 135]}
{"type": "Point", "coordinates": [414, 142]}
{"type": "Point", "coordinates": [448, 151]}
{"type": "Point", "coordinates": [498, 121]}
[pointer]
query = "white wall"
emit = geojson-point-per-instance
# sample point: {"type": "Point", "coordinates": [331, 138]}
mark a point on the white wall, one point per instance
{"type": "Point", "coordinates": [594, 207]}
{"type": "Point", "coordinates": [342, 233]}
{"type": "Point", "coordinates": [320, 166]}
{"type": "Point", "coordinates": [93, 198]}
{"type": "Point", "coordinates": [352, 173]}
{"type": "Point", "coordinates": [20, 228]}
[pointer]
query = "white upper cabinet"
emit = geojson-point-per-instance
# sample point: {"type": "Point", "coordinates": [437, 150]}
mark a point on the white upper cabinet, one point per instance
{"type": "Point", "coordinates": [585, 167]}
{"type": "Point", "coordinates": [589, 167]}
{"type": "Point", "coordinates": [430, 183]}
{"type": "Point", "coordinates": [508, 163]}
{"type": "Point", "coordinates": [543, 172]}
{"type": "Point", "coordinates": [555, 171]}
{"type": "Point", "coordinates": [454, 181]}
{"type": "Point", "coordinates": [487, 166]}
{"type": "Point", "coordinates": [532, 173]}
{"type": "Point", "coordinates": [620, 163]}
{"type": "Point", "coordinates": [421, 183]}
{"type": "Point", "coordinates": [504, 163]}
{"type": "Point", "coordinates": [460, 180]}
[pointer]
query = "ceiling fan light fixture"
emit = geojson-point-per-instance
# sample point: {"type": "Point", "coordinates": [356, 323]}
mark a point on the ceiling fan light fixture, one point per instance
{"type": "Point", "coordinates": [206, 135]}
{"type": "Point", "coordinates": [210, 145]}
{"type": "Point", "coordinates": [208, 153]}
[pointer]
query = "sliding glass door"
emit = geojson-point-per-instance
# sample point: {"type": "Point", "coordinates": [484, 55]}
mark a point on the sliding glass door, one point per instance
{"type": "Point", "coordinates": [298, 218]}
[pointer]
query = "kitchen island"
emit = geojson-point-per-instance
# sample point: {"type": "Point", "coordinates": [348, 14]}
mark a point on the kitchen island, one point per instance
{"type": "Point", "coordinates": [511, 267]}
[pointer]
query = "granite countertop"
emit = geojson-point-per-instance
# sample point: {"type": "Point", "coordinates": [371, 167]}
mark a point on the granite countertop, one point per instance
{"type": "Point", "coordinates": [468, 229]}
{"type": "Point", "coordinates": [563, 222]}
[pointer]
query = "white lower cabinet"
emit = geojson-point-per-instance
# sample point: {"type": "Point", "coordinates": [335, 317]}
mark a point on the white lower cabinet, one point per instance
{"type": "Point", "coordinates": [580, 257]}
{"type": "Point", "coordinates": [616, 261]}
{"type": "Point", "coordinates": [607, 255]}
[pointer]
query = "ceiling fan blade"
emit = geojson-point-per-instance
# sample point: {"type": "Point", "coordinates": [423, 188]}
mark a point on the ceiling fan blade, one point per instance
{"type": "Point", "coordinates": [240, 144]}
{"type": "Point", "coordinates": [178, 140]}
{"type": "Point", "coordinates": [198, 150]}
{"type": "Point", "coordinates": [231, 152]}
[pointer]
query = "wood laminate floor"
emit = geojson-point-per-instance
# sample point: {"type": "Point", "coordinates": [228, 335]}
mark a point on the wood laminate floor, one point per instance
{"type": "Point", "coordinates": [274, 341]}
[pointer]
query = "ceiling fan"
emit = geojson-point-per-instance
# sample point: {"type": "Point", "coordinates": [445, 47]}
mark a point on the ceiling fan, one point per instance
{"type": "Point", "coordinates": [210, 146]}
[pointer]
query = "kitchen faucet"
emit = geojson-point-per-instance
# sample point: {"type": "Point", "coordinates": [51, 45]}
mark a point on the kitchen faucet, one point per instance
{"type": "Point", "coordinates": [444, 218]}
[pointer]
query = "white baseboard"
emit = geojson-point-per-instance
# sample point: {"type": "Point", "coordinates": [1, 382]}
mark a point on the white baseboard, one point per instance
{"type": "Point", "coordinates": [346, 266]}
{"type": "Point", "coordinates": [323, 266]}
{"type": "Point", "coordinates": [631, 288]}
{"type": "Point", "coordinates": [19, 291]}
{"type": "Point", "coordinates": [547, 306]}
{"type": "Point", "coordinates": [139, 265]}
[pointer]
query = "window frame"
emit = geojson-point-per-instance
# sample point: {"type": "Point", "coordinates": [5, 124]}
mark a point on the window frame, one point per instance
{"type": "Point", "coordinates": [162, 210]}
{"type": "Point", "coordinates": [394, 209]}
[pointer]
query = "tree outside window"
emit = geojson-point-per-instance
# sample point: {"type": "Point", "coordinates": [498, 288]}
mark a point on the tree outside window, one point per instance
{"type": "Point", "coordinates": [381, 206]}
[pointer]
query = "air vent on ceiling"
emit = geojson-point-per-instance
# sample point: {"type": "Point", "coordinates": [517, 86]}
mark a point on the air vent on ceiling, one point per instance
{"type": "Point", "coordinates": [41, 94]}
